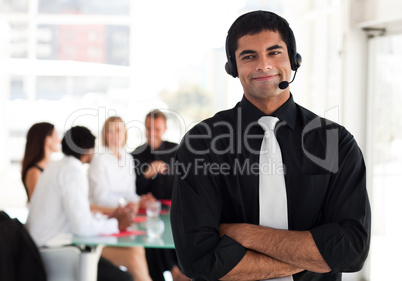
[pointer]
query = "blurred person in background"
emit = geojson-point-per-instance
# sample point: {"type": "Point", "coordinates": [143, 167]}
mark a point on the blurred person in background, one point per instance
{"type": "Point", "coordinates": [112, 184]}
{"type": "Point", "coordinates": [41, 141]}
{"type": "Point", "coordinates": [152, 159]}
{"type": "Point", "coordinates": [152, 162]}
{"type": "Point", "coordinates": [60, 204]}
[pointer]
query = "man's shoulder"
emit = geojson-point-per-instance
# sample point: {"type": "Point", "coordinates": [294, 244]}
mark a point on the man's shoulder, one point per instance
{"type": "Point", "coordinates": [66, 167]}
{"type": "Point", "coordinates": [310, 118]}
{"type": "Point", "coordinates": [55, 165]}
{"type": "Point", "coordinates": [140, 149]}
{"type": "Point", "coordinates": [202, 135]}
{"type": "Point", "coordinates": [217, 121]}
{"type": "Point", "coordinates": [69, 165]}
{"type": "Point", "coordinates": [314, 124]}
{"type": "Point", "coordinates": [169, 143]}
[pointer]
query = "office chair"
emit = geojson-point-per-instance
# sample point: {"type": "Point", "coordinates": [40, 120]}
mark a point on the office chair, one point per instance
{"type": "Point", "coordinates": [70, 263]}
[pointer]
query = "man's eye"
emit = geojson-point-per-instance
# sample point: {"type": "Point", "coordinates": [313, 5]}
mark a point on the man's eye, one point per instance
{"type": "Point", "coordinates": [274, 53]}
{"type": "Point", "coordinates": [248, 57]}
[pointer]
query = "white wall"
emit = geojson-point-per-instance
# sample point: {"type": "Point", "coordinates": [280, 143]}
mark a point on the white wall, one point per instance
{"type": "Point", "coordinates": [354, 73]}
{"type": "Point", "coordinates": [381, 10]}
{"type": "Point", "coordinates": [361, 14]}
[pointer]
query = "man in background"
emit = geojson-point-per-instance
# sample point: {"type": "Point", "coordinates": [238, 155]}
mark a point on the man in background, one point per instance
{"type": "Point", "coordinates": [152, 159]}
{"type": "Point", "coordinates": [155, 177]}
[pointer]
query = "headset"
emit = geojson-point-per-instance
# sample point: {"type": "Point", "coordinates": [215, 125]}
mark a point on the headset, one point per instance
{"type": "Point", "coordinates": [294, 57]}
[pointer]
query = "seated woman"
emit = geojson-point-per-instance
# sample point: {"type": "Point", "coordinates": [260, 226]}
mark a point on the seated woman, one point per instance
{"type": "Point", "coordinates": [42, 141]}
{"type": "Point", "coordinates": [111, 183]}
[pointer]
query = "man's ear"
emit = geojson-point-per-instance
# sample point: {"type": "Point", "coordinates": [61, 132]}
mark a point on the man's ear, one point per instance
{"type": "Point", "coordinates": [84, 158]}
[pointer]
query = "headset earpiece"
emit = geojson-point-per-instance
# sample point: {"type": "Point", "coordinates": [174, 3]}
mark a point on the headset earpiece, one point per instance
{"type": "Point", "coordinates": [294, 56]}
{"type": "Point", "coordinates": [230, 67]}
{"type": "Point", "coordinates": [297, 60]}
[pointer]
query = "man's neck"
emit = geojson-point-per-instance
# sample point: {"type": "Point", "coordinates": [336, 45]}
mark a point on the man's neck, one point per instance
{"type": "Point", "coordinates": [269, 105]}
{"type": "Point", "coordinates": [155, 146]}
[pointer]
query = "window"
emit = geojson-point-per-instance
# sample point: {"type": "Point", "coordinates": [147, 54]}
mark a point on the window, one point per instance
{"type": "Point", "coordinates": [384, 161]}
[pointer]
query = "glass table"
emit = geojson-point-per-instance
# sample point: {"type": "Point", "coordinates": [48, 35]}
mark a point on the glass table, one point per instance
{"type": "Point", "coordinates": [164, 241]}
{"type": "Point", "coordinates": [91, 247]}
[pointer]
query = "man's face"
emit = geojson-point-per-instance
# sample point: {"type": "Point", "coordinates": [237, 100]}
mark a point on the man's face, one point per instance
{"type": "Point", "coordinates": [262, 62]}
{"type": "Point", "coordinates": [155, 128]}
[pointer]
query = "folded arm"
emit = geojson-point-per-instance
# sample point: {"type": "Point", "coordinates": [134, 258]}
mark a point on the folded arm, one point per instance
{"type": "Point", "coordinates": [256, 266]}
{"type": "Point", "coordinates": [295, 248]}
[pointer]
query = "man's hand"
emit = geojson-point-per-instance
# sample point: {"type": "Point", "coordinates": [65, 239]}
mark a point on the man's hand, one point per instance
{"type": "Point", "coordinates": [155, 168]}
{"type": "Point", "coordinates": [132, 208]}
{"type": "Point", "coordinates": [145, 198]}
{"type": "Point", "coordinates": [123, 216]}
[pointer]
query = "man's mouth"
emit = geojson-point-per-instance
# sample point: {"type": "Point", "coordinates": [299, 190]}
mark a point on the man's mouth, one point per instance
{"type": "Point", "coordinates": [265, 77]}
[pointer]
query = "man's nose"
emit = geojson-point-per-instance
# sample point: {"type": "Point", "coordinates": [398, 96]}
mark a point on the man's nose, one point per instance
{"type": "Point", "coordinates": [264, 63]}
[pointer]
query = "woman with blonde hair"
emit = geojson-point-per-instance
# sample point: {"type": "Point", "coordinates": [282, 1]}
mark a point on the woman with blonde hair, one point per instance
{"type": "Point", "coordinates": [41, 141]}
{"type": "Point", "coordinates": [112, 183]}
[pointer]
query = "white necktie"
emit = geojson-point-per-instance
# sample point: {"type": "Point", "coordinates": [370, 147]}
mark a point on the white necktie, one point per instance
{"type": "Point", "coordinates": [273, 202]}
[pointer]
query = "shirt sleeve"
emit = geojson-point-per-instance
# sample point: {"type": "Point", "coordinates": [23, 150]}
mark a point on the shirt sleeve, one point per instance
{"type": "Point", "coordinates": [140, 165]}
{"type": "Point", "coordinates": [344, 236]}
{"type": "Point", "coordinates": [74, 194]}
{"type": "Point", "coordinates": [141, 183]}
{"type": "Point", "coordinates": [132, 193]}
{"type": "Point", "coordinates": [195, 217]}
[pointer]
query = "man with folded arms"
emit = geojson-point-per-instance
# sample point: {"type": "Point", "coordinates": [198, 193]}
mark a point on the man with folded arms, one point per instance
{"type": "Point", "coordinates": [273, 191]}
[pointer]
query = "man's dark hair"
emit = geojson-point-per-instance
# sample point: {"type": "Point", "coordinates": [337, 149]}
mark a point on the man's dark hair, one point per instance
{"type": "Point", "coordinates": [77, 141]}
{"type": "Point", "coordinates": [253, 23]}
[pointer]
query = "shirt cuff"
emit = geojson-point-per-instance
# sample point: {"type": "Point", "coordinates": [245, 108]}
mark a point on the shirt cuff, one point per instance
{"type": "Point", "coordinates": [228, 255]}
{"type": "Point", "coordinates": [333, 245]}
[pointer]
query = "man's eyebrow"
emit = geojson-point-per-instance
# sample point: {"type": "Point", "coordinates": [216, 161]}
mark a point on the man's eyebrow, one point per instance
{"type": "Point", "coordinates": [248, 52]}
{"type": "Point", "coordinates": [274, 47]}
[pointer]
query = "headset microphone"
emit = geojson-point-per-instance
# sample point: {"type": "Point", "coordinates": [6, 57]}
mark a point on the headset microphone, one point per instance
{"type": "Point", "coordinates": [284, 84]}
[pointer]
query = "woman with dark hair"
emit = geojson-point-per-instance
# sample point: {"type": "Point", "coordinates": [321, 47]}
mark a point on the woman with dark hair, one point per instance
{"type": "Point", "coordinates": [42, 141]}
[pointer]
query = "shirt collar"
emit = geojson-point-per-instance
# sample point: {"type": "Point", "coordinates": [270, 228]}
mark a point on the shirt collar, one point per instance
{"type": "Point", "coordinates": [74, 161]}
{"type": "Point", "coordinates": [162, 147]}
{"type": "Point", "coordinates": [286, 112]}
{"type": "Point", "coordinates": [110, 152]}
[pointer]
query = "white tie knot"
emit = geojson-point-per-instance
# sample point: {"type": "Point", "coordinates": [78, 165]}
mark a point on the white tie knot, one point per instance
{"type": "Point", "coordinates": [268, 122]}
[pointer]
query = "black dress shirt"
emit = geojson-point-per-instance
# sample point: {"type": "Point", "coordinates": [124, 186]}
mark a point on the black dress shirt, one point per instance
{"type": "Point", "coordinates": [218, 182]}
{"type": "Point", "coordinates": [158, 260]}
{"type": "Point", "coordinates": [160, 185]}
